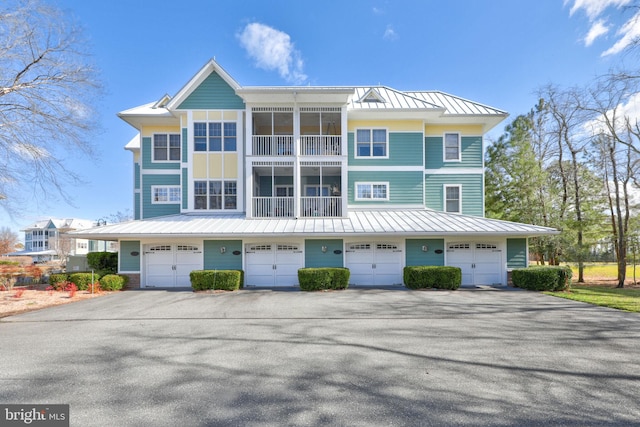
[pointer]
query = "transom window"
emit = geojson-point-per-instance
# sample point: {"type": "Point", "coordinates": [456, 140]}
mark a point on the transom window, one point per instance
{"type": "Point", "coordinates": [166, 147]}
{"type": "Point", "coordinates": [372, 191]}
{"type": "Point", "coordinates": [371, 143]}
{"type": "Point", "coordinates": [452, 198]}
{"type": "Point", "coordinates": [215, 195]}
{"type": "Point", "coordinates": [452, 147]}
{"type": "Point", "coordinates": [165, 194]}
{"type": "Point", "coordinates": [215, 136]}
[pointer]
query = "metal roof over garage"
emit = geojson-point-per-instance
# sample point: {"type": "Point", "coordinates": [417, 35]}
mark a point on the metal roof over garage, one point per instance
{"type": "Point", "coordinates": [418, 222]}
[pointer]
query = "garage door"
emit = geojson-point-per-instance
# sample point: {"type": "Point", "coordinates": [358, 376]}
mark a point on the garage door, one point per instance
{"type": "Point", "coordinates": [374, 263]}
{"type": "Point", "coordinates": [169, 265]}
{"type": "Point", "coordinates": [274, 264]}
{"type": "Point", "coordinates": [481, 263]}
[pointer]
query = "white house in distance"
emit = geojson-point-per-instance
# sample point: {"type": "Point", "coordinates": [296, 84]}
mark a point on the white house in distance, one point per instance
{"type": "Point", "coordinates": [272, 179]}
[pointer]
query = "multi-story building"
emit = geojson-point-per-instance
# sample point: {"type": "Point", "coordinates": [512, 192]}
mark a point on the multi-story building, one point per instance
{"type": "Point", "coordinates": [272, 179]}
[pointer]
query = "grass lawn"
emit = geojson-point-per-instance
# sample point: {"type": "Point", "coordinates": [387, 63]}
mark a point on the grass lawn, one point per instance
{"type": "Point", "coordinates": [622, 299]}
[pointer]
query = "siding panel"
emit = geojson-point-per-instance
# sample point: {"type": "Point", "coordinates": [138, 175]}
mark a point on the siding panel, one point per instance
{"type": "Point", "coordinates": [405, 149]}
{"type": "Point", "coordinates": [472, 188]}
{"type": "Point", "coordinates": [129, 262]}
{"type": "Point", "coordinates": [315, 258]}
{"type": "Point", "coordinates": [146, 157]}
{"type": "Point", "coordinates": [404, 187]}
{"type": "Point", "coordinates": [416, 256]}
{"type": "Point", "coordinates": [516, 253]}
{"type": "Point", "coordinates": [214, 259]}
{"type": "Point", "coordinates": [471, 153]}
{"type": "Point", "coordinates": [151, 210]}
{"type": "Point", "coordinates": [212, 94]}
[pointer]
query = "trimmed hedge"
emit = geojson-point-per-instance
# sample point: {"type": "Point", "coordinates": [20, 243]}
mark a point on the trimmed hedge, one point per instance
{"type": "Point", "coordinates": [550, 278]}
{"type": "Point", "coordinates": [83, 279]}
{"type": "Point", "coordinates": [58, 280]}
{"type": "Point", "coordinates": [432, 276]}
{"type": "Point", "coordinates": [228, 280]}
{"type": "Point", "coordinates": [103, 261]}
{"type": "Point", "coordinates": [113, 282]}
{"type": "Point", "coordinates": [320, 279]}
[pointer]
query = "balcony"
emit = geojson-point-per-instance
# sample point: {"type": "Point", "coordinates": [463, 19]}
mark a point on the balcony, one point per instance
{"type": "Point", "coordinates": [268, 207]}
{"type": "Point", "coordinates": [321, 145]}
{"type": "Point", "coordinates": [272, 145]}
{"type": "Point", "coordinates": [324, 206]}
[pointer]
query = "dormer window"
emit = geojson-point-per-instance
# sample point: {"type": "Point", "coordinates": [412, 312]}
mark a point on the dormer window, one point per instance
{"type": "Point", "coordinates": [372, 96]}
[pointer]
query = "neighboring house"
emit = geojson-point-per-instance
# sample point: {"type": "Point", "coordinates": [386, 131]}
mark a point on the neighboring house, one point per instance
{"type": "Point", "coordinates": [46, 240]}
{"type": "Point", "coordinates": [272, 179]}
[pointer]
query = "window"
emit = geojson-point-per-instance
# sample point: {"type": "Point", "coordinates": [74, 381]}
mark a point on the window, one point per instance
{"type": "Point", "coordinates": [215, 136]}
{"type": "Point", "coordinates": [451, 147]}
{"type": "Point", "coordinates": [371, 143]}
{"type": "Point", "coordinates": [372, 191]}
{"type": "Point", "coordinates": [215, 195]}
{"type": "Point", "coordinates": [284, 191]}
{"type": "Point", "coordinates": [316, 190]}
{"type": "Point", "coordinates": [166, 147]}
{"type": "Point", "coordinates": [452, 198]}
{"type": "Point", "coordinates": [165, 194]}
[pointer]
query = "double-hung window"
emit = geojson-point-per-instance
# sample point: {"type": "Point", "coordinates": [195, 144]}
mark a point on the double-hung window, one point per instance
{"type": "Point", "coordinates": [215, 136]}
{"type": "Point", "coordinates": [452, 198]}
{"type": "Point", "coordinates": [452, 147]}
{"type": "Point", "coordinates": [166, 147]}
{"type": "Point", "coordinates": [372, 143]}
{"type": "Point", "coordinates": [215, 195]}
{"type": "Point", "coordinates": [165, 194]}
{"type": "Point", "coordinates": [372, 191]}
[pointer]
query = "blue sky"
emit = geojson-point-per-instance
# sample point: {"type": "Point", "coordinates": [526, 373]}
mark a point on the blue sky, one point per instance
{"type": "Point", "coordinates": [497, 52]}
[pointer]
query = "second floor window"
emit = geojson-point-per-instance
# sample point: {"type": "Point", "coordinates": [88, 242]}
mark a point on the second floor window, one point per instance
{"type": "Point", "coordinates": [215, 136]}
{"type": "Point", "coordinates": [371, 143]}
{"type": "Point", "coordinates": [452, 198]}
{"type": "Point", "coordinates": [166, 147]}
{"type": "Point", "coordinates": [372, 191]}
{"type": "Point", "coordinates": [215, 195]}
{"type": "Point", "coordinates": [451, 147]}
{"type": "Point", "coordinates": [168, 194]}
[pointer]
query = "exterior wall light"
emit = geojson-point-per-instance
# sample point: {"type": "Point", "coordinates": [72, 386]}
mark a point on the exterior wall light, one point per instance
{"type": "Point", "coordinates": [425, 248]}
{"type": "Point", "coordinates": [324, 249]}
{"type": "Point", "coordinates": [223, 249]}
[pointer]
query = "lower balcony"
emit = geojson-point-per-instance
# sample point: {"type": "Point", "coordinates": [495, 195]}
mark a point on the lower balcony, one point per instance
{"type": "Point", "coordinates": [267, 207]}
{"type": "Point", "coordinates": [283, 207]}
{"type": "Point", "coordinates": [325, 206]}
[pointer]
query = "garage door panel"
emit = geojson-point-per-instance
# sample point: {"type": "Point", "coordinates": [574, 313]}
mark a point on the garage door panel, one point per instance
{"type": "Point", "coordinates": [273, 264]}
{"type": "Point", "coordinates": [480, 263]}
{"type": "Point", "coordinates": [374, 263]}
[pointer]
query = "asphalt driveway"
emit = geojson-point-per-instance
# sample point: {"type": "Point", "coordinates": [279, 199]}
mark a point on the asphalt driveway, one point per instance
{"type": "Point", "coordinates": [359, 357]}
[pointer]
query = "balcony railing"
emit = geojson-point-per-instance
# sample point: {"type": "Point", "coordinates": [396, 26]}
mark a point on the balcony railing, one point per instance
{"type": "Point", "coordinates": [266, 207]}
{"type": "Point", "coordinates": [321, 206]}
{"type": "Point", "coordinates": [278, 145]}
{"type": "Point", "coordinates": [317, 145]}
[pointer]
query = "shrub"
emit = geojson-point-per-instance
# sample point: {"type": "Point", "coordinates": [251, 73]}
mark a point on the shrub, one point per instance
{"type": "Point", "coordinates": [320, 279]}
{"type": "Point", "coordinates": [106, 262]}
{"type": "Point", "coordinates": [58, 280]}
{"type": "Point", "coordinates": [432, 276]}
{"type": "Point", "coordinates": [549, 278]}
{"type": "Point", "coordinates": [228, 280]}
{"type": "Point", "coordinates": [83, 279]}
{"type": "Point", "coordinates": [113, 282]}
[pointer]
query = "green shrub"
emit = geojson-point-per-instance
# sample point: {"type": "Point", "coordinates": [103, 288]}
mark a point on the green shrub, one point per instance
{"type": "Point", "coordinates": [58, 280]}
{"type": "Point", "coordinates": [432, 276]}
{"type": "Point", "coordinates": [228, 280]}
{"type": "Point", "coordinates": [83, 279]}
{"type": "Point", "coordinates": [549, 278]}
{"type": "Point", "coordinates": [320, 279]}
{"type": "Point", "coordinates": [106, 262]}
{"type": "Point", "coordinates": [113, 282]}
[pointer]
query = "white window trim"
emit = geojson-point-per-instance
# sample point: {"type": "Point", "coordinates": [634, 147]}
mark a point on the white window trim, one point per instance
{"type": "Point", "coordinates": [444, 147]}
{"type": "Point", "coordinates": [208, 195]}
{"type": "Point", "coordinates": [153, 147]}
{"type": "Point", "coordinates": [370, 157]}
{"type": "Point", "coordinates": [444, 198]}
{"type": "Point", "coordinates": [355, 190]}
{"type": "Point", "coordinates": [168, 201]}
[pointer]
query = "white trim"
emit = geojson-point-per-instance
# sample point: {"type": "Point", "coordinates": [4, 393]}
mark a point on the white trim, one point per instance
{"type": "Point", "coordinates": [371, 184]}
{"type": "Point", "coordinates": [386, 168]}
{"type": "Point", "coordinates": [444, 197]}
{"type": "Point", "coordinates": [144, 172]}
{"type": "Point", "coordinates": [444, 147]}
{"type": "Point", "coordinates": [454, 171]}
{"type": "Point", "coordinates": [371, 156]}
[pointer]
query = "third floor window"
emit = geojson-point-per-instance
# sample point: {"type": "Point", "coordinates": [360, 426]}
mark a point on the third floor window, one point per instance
{"type": "Point", "coordinates": [215, 136]}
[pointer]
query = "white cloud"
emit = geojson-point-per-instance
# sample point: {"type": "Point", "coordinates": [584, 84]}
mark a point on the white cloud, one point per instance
{"type": "Point", "coordinates": [593, 8]}
{"type": "Point", "coordinates": [390, 33]}
{"type": "Point", "coordinates": [597, 29]}
{"type": "Point", "coordinates": [629, 33]}
{"type": "Point", "coordinates": [273, 50]}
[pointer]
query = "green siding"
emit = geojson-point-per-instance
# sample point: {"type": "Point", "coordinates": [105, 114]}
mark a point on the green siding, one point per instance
{"type": "Point", "coordinates": [472, 189]}
{"type": "Point", "coordinates": [146, 157]}
{"type": "Point", "coordinates": [214, 259]}
{"type": "Point", "coordinates": [516, 253]}
{"type": "Point", "coordinates": [185, 144]}
{"type": "Point", "coordinates": [150, 210]}
{"type": "Point", "coordinates": [405, 149]}
{"type": "Point", "coordinates": [136, 206]}
{"type": "Point", "coordinates": [315, 258]}
{"type": "Point", "coordinates": [416, 256]}
{"type": "Point", "coordinates": [185, 188]}
{"type": "Point", "coordinates": [213, 93]}
{"type": "Point", "coordinates": [128, 260]}
{"type": "Point", "coordinates": [404, 187]}
{"type": "Point", "coordinates": [136, 178]}
{"type": "Point", "coordinates": [471, 153]}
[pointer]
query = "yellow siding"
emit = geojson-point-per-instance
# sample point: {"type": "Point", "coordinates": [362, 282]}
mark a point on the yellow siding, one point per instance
{"type": "Point", "coordinates": [136, 156]}
{"type": "Point", "coordinates": [199, 115]}
{"type": "Point", "coordinates": [438, 130]}
{"type": "Point", "coordinates": [392, 125]}
{"type": "Point", "coordinates": [215, 165]}
{"type": "Point", "coordinates": [150, 130]}
{"type": "Point", "coordinates": [200, 166]}
{"type": "Point", "coordinates": [230, 115]}
{"type": "Point", "coordinates": [215, 115]}
{"type": "Point", "coordinates": [231, 165]}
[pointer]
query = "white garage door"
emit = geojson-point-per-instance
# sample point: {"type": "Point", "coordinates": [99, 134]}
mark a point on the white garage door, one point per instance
{"type": "Point", "coordinates": [372, 263]}
{"type": "Point", "coordinates": [169, 265]}
{"type": "Point", "coordinates": [481, 263]}
{"type": "Point", "coordinates": [273, 264]}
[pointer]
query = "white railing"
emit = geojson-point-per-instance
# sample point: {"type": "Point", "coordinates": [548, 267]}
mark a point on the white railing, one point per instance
{"type": "Point", "coordinates": [321, 206]}
{"type": "Point", "coordinates": [318, 145]}
{"type": "Point", "coordinates": [278, 145]}
{"type": "Point", "coordinates": [266, 207]}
